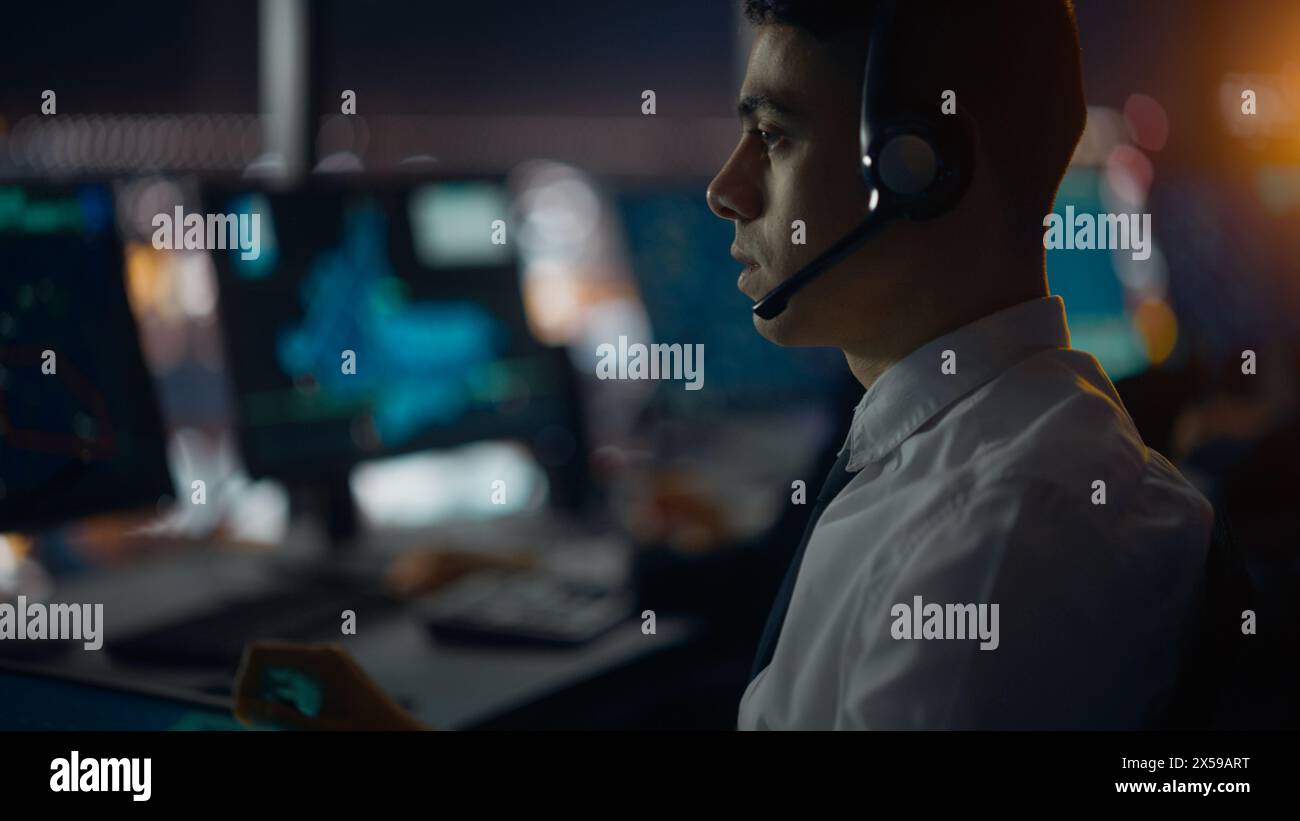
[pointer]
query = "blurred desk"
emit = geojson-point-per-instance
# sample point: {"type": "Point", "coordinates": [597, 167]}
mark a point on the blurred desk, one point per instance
{"type": "Point", "coordinates": [459, 686]}
{"type": "Point", "coordinates": [450, 686]}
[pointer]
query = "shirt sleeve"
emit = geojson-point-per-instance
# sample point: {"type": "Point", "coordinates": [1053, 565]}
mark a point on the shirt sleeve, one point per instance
{"type": "Point", "coordinates": [1082, 605]}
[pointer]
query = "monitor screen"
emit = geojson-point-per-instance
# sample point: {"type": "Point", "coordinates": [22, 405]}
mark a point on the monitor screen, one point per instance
{"type": "Point", "coordinates": [80, 429]}
{"type": "Point", "coordinates": [1090, 284]}
{"type": "Point", "coordinates": [377, 319]}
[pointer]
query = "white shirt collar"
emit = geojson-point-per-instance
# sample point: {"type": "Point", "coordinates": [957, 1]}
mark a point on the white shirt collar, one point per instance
{"type": "Point", "coordinates": [911, 391]}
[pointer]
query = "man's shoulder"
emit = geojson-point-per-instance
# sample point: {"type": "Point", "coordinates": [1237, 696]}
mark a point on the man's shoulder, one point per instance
{"type": "Point", "coordinates": [1045, 447]}
{"type": "Point", "coordinates": [1053, 429]}
{"type": "Point", "coordinates": [1056, 419]}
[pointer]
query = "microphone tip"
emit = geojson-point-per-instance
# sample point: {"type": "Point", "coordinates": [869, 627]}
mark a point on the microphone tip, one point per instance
{"type": "Point", "coordinates": [769, 306]}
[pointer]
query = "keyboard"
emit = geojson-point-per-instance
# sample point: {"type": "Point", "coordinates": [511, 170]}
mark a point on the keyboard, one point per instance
{"type": "Point", "coordinates": [524, 609]}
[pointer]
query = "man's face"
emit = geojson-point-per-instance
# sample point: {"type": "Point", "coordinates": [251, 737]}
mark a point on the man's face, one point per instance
{"type": "Point", "coordinates": [797, 159]}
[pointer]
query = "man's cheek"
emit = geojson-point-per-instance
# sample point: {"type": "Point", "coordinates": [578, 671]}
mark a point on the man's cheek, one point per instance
{"type": "Point", "coordinates": [776, 271]}
{"type": "Point", "coordinates": [791, 256]}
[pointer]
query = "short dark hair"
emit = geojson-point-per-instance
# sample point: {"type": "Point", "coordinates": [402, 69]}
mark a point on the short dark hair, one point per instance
{"type": "Point", "coordinates": [1014, 65]}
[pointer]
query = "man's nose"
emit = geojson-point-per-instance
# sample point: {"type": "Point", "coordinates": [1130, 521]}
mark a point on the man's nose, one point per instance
{"type": "Point", "coordinates": [733, 194]}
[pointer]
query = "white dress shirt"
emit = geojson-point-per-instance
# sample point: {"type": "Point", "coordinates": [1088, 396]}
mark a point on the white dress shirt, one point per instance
{"type": "Point", "coordinates": [978, 487]}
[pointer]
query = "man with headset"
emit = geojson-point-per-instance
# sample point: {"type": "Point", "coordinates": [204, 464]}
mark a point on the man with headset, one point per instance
{"type": "Point", "coordinates": [995, 546]}
{"type": "Point", "coordinates": [989, 469]}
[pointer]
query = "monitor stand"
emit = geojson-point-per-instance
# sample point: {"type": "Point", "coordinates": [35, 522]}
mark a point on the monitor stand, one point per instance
{"type": "Point", "coordinates": [329, 502]}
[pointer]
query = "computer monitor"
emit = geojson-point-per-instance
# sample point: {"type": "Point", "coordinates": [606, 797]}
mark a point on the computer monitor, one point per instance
{"type": "Point", "coordinates": [680, 257]}
{"type": "Point", "coordinates": [380, 318]}
{"type": "Point", "coordinates": [1092, 288]}
{"type": "Point", "coordinates": [80, 427]}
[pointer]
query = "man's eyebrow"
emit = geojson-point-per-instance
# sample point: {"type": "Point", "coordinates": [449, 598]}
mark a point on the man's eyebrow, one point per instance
{"type": "Point", "coordinates": [751, 104]}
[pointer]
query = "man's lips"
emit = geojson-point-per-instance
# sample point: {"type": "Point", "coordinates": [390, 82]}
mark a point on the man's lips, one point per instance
{"type": "Point", "coordinates": [743, 258]}
{"type": "Point", "coordinates": [751, 266]}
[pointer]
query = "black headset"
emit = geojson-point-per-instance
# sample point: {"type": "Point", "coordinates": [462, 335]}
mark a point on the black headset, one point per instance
{"type": "Point", "coordinates": [916, 161]}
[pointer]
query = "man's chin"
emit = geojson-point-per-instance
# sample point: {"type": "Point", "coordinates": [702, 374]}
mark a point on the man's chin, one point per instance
{"type": "Point", "coordinates": [790, 328]}
{"type": "Point", "coordinates": [782, 329]}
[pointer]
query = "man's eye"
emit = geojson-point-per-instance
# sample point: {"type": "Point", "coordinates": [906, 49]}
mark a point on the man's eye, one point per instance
{"type": "Point", "coordinates": [770, 138]}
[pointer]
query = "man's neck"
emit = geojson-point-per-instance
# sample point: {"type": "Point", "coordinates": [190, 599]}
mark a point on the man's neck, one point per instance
{"type": "Point", "coordinates": [866, 368]}
{"type": "Point", "coordinates": [868, 362]}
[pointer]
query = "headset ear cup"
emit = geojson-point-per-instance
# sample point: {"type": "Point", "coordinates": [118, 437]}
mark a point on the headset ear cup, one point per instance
{"type": "Point", "coordinates": [916, 161]}
{"type": "Point", "coordinates": [922, 168]}
{"type": "Point", "coordinates": [908, 165]}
